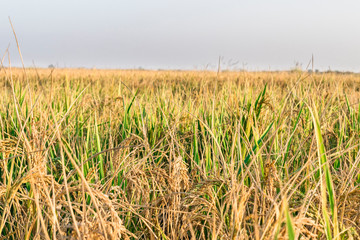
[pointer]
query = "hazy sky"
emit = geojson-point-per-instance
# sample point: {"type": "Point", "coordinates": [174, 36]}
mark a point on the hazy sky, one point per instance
{"type": "Point", "coordinates": [186, 34]}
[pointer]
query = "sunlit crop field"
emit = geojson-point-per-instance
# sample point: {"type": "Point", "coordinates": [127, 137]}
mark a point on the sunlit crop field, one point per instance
{"type": "Point", "coordinates": [106, 154]}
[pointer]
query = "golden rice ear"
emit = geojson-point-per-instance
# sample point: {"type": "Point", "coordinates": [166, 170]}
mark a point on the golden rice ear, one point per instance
{"type": "Point", "coordinates": [179, 179]}
{"type": "Point", "coordinates": [8, 147]}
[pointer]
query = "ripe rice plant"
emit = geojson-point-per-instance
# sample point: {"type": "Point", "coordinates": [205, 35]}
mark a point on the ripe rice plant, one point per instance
{"type": "Point", "coordinates": [110, 154]}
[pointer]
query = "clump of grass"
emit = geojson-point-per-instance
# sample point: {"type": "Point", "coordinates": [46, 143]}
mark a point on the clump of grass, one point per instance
{"type": "Point", "coordinates": [107, 154]}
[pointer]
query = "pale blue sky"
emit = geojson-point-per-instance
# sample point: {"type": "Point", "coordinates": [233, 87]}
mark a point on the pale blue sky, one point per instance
{"type": "Point", "coordinates": [186, 34]}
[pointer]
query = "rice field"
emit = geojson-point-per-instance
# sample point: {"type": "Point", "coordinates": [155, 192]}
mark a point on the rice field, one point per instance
{"type": "Point", "coordinates": [111, 154]}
